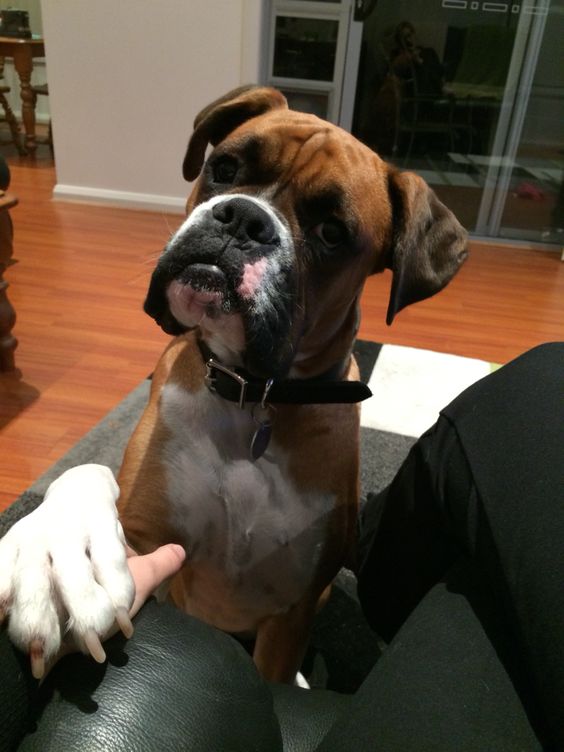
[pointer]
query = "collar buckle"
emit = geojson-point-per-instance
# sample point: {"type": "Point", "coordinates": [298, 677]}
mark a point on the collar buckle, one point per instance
{"type": "Point", "coordinates": [212, 365]}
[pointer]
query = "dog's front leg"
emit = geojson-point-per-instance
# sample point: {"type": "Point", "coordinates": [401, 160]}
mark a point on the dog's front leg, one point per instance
{"type": "Point", "coordinates": [63, 568]}
{"type": "Point", "coordinates": [282, 640]}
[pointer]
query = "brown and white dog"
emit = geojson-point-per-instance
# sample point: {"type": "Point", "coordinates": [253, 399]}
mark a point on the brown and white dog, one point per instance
{"type": "Point", "coordinates": [288, 216]}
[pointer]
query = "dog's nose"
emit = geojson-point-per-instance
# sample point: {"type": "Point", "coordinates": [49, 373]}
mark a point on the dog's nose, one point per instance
{"type": "Point", "coordinates": [246, 220]}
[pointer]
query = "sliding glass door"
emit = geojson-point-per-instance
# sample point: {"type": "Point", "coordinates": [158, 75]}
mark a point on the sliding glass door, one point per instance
{"type": "Point", "coordinates": [471, 96]}
{"type": "Point", "coordinates": [468, 93]}
{"type": "Point", "coordinates": [528, 200]}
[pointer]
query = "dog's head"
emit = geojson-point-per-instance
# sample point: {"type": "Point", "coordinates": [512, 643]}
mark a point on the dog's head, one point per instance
{"type": "Point", "coordinates": [287, 218]}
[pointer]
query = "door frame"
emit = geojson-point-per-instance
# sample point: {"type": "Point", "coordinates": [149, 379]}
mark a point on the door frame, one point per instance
{"type": "Point", "coordinates": [341, 12]}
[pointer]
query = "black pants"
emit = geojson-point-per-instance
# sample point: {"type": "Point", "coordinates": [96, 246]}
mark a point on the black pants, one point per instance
{"type": "Point", "coordinates": [462, 567]}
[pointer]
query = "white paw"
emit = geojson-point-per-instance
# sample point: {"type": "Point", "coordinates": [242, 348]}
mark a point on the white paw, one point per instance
{"type": "Point", "coordinates": [63, 568]}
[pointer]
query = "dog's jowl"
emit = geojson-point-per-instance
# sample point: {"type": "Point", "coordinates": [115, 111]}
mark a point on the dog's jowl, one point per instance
{"type": "Point", "coordinates": [248, 451]}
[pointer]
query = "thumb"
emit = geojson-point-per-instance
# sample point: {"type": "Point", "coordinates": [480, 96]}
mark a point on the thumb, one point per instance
{"type": "Point", "coordinates": [165, 561]}
{"type": "Point", "coordinates": [152, 570]}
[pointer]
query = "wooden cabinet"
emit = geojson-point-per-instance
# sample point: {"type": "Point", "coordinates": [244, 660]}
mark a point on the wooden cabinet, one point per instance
{"type": "Point", "coordinates": [8, 342]}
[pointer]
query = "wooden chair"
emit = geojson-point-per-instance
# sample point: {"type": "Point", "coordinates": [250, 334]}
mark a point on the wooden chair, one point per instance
{"type": "Point", "coordinates": [9, 116]}
{"type": "Point", "coordinates": [423, 110]}
{"type": "Point", "coordinates": [42, 90]}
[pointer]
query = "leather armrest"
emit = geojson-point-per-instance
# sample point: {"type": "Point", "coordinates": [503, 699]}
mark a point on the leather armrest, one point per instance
{"type": "Point", "coordinates": [178, 684]}
{"type": "Point", "coordinates": [18, 694]}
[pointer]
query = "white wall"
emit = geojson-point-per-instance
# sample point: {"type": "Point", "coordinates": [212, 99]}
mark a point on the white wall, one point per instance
{"type": "Point", "coordinates": [126, 79]}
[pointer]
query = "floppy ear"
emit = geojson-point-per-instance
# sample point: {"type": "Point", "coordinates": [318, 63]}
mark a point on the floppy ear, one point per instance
{"type": "Point", "coordinates": [221, 117]}
{"type": "Point", "coordinates": [429, 244]}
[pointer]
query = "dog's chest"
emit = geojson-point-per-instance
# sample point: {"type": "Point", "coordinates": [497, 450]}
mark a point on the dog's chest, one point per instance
{"type": "Point", "coordinates": [253, 538]}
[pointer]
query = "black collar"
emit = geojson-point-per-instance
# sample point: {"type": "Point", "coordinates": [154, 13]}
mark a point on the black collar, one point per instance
{"type": "Point", "coordinates": [237, 385]}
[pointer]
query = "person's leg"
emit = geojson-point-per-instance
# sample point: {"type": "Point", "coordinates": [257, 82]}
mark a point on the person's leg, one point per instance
{"type": "Point", "coordinates": [487, 483]}
{"type": "Point", "coordinates": [440, 684]}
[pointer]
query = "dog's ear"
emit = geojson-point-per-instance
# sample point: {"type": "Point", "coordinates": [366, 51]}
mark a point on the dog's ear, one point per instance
{"type": "Point", "coordinates": [221, 117]}
{"type": "Point", "coordinates": [429, 245]}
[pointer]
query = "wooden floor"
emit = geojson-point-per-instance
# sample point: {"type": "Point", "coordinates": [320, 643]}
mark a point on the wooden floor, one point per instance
{"type": "Point", "coordinates": [84, 342]}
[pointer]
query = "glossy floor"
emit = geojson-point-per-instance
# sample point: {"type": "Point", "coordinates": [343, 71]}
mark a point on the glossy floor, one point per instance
{"type": "Point", "coordinates": [84, 341]}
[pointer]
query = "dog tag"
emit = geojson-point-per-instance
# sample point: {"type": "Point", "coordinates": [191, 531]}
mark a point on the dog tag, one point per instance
{"type": "Point", "coordinates": [261, 437]}
{"type": "Point", "coordinates": [263, 417]}
{"type": "Point", "coordinates": [261, 440]}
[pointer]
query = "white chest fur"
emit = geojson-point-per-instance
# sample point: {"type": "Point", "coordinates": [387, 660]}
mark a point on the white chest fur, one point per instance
{"type": "Point", "coordinates": [253, 539]}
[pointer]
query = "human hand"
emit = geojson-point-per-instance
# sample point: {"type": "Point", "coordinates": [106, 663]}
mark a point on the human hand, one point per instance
{"type": "Point", "coordinates": [148, 573]}
{"type": "Point", "coordinates": [151, 570]}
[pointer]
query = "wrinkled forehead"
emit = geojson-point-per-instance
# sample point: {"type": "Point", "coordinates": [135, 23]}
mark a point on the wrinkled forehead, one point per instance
{"type": "Point", "coordinates": [305, 152]}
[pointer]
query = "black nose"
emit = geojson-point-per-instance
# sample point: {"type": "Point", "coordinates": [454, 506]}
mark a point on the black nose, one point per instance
{"type": "Point", "coordinates": [246, 220]}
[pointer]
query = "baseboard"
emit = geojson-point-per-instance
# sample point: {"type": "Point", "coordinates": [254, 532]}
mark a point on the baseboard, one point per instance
{"type": "Point", "coordinates": [123, 199]}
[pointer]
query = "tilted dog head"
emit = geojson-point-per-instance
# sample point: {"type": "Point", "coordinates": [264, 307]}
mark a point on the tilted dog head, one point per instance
{"type": "Point", "coordinates": [287, 218]}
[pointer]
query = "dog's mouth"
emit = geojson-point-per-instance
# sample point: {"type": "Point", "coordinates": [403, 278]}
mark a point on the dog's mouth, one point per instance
{"type": "Point", "coordinates": [180, 299]}
{"type": "Point", "coordinates": [240, 295]}
{"type": "Point", "coordinates": [200, 292]}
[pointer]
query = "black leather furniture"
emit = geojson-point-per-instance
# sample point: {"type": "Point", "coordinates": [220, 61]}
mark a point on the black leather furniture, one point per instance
{"type": "Point", "coordinates": [176, 685]}
{"type": "Point", "coordinates": [179, 685]}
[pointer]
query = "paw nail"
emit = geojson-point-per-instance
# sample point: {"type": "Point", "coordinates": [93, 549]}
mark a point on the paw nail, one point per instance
{"type": "Point", "coordinates": [94, 646]}
{"type": "Point", "coordinates": [37, 659]}
{"type": "Point", "coordinates": [124, 622]}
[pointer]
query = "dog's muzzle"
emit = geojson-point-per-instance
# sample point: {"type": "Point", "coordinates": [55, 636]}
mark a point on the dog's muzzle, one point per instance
{"type": "Point", "coordinates": [216, 256]}
{"type": "Point", "coordinates": [232, 255]}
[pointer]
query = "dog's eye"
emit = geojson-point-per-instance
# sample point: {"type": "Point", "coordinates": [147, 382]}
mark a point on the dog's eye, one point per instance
{"type": "Point", "coordinates": [225, 170]}
{"type": "Point", "coordinates": [331, 233]}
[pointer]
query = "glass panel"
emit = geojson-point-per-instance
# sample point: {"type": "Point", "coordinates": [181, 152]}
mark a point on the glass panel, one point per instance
{"type": "Point", "coordinates": [433, 96]}
{"type": "Point", "coordinates": [305, 48]}
{"type": "Point", "coordinates": [429, 93]}
{"type": "Point", "coordinates": [534, 203]}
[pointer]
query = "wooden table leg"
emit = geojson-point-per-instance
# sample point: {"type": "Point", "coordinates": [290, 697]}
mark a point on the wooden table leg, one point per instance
{"type": "Point", "coordinates": [23, 63]}
{"type": "Point", "coordinates": [8, 342]}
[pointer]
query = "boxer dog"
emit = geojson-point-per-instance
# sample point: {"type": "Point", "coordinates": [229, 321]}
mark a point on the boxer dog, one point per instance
{"type": "Point", "coordinates": [248, 451]}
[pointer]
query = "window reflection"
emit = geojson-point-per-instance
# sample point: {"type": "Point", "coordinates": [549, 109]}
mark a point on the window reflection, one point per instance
{"type": "Point", "coordinates": [305, 48]}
